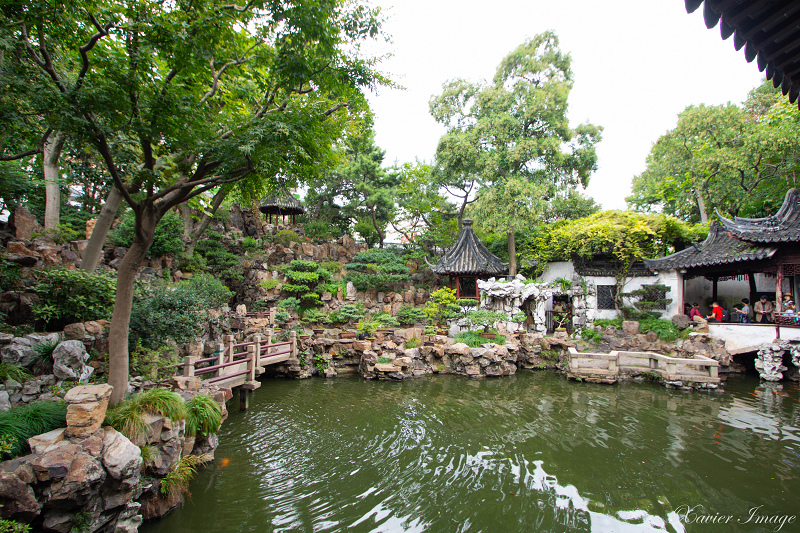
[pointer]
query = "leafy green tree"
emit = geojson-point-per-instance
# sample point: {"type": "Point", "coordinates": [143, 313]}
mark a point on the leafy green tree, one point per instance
{"type": "Point", "coordinates": [515, 136]}
{"type": "Point", "coordinates": [182, 98]}
{"type": "Point", "coordinates": [740, 160]}
{"type": "Point", "coordinates": [622, 237]}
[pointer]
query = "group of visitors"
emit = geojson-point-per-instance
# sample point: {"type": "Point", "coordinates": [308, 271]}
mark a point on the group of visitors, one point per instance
{"type": "Point", "coordinates": [763, 310]}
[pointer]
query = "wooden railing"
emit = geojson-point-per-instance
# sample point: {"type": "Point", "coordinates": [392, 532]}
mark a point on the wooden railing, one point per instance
{"type": "Point", "coordinates": [622, 362]}
{"type": "Point", "coordinates": [235, 363]}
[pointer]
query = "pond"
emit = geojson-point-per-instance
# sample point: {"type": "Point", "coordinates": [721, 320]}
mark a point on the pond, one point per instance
{"type": "Point", "coordinates": [534, 452]}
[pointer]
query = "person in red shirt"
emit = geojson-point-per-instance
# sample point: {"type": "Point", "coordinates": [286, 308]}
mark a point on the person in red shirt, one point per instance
{"type": "Point", "coordinates": [695, 311]}
{"type": "Point", "coordinates": [716, 313]}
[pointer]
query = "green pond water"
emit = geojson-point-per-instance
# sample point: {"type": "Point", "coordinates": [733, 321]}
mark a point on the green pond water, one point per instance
{"type": "Point", "coordinates": [530, 453]}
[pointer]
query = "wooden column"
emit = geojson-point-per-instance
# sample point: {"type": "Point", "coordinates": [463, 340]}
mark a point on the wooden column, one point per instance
{"type": "Point", "coordinates": [751, 278]}
{"type": "Point", "coordinates": [228, 340]}
{"type": "Point", "coordinates": [714, 289]}
{"type": "Point", "coordinates": [779, 288]}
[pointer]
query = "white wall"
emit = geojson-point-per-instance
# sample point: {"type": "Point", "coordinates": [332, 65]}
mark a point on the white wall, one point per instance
{"type": "Point", "coordinates": [741, 338]}
{"type": "Point", "coordinates": [672, 279]}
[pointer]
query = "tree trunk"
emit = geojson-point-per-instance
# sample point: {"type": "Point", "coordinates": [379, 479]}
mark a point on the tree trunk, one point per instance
{"type": "Point", "coordinates": [701, 206]}
{"type": "Point", "coordinates": [205, 221]}
{"type": "Point", "coordinates": [118, 367]}
{"type": "Point", "coordinates": [188, 222]}
{"type": "Point", "coordinates": [376, 226]}
{"type": "Point", "coordinates": [91, 256]}
{"type": "Point", "coordinates": [52, 192]}
{"type": "Point", "coordinates": [512, 253]}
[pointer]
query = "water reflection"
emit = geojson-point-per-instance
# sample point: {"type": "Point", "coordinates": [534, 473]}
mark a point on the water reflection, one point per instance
{"type": "Point", "coordinates": [529, 453]}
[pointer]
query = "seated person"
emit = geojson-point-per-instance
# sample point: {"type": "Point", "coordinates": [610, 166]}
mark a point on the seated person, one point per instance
{"type": "Point", "coordinates": [716, 313]}
{"type": "Point", "coordinates": [695, 311]}
{"type": "Point", "coordinates": [744, 312]}
{"type": "Point", "coordinates": [763, 309]}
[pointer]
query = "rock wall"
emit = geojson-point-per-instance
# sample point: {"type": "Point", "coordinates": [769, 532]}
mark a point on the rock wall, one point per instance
{"type": "Point", "coordinates": [769, 361]}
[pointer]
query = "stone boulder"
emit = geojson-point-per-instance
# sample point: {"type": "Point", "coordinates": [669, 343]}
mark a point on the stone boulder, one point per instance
{"type": "Point", "coordinates": [630, 327]}
{"type": "Point", "coordinates": [86, 409]}
{"type": "Point", "coordinates": [24, 223]}
{"type": "Point", "coordinates": [69, 362]}
{"type": "Point", "coordinates": [681, 321]}
{"type": "Point", "coordinates": [121, 458]}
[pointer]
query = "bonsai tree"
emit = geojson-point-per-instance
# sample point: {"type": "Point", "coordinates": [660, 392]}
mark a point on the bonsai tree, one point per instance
{"type": "Point", "coordinates": [314, 317]}
{"type": "Point", "coordinates": [367, 326]}
{"type": "Point", "coordinates": [465, 305]}
{"type": "Point", "coordinates": [519, 319]}
{"type": "Point", "coordinates": [289, 305]}
{"type": "Point", "coordinates": [385, 320]}
{"type": "Point", "coordinates": [485, 318]}
{"type": "Point", "coordinates": [408, 314]}
{"type": "Point", "coordinates": [351, 313]}
{"type": "Point", "coordinates": [442, 305]}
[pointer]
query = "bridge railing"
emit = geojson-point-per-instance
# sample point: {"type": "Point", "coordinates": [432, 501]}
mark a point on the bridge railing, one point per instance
{"type": "Point", "coordinates": [243, 359]}
{"type": "Point", "coordinates": [671, 368]}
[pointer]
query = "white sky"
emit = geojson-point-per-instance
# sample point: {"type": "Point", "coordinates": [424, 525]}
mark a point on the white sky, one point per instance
{"type": "Point", "coordinates": [636, 65]}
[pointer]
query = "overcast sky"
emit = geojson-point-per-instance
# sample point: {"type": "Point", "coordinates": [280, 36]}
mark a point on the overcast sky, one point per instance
{"type": "Point", "coordinates": [636, 65]}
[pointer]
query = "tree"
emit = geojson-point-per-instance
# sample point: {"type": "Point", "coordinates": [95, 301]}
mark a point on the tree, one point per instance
{"type": "Point", "coordinates": [622, 237]}
{"type": "Point", "coordinates": [182, 98]}
{"type": "Point", "coordinates": [738, 159]}
{"type": "Point", "coordinates": [515, 136]}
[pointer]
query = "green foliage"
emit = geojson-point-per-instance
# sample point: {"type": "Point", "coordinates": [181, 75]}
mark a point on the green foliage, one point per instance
{"type": "Point", "coordinates": [408, 314]}
{"type": "Point", "coordinates": [128, 416]}
{"type": "Point", "coordinates": [298, 265]}
{"type": "Point", "coordinates": [251, 244]}
{"type": "Point", "coordinates": [17, 373]}
{"type": "Point", "coordinates": [731, 158]}
{"type": "Point", "coordinates": [665, 329]}
{"type": "Point", "coordinates": [519, 318]}
{"type": "Point", "coordinates": [9, 274]}
{"type": "Point", "coordinates": [331, 266]}
{"type": "Point", "coordinates": [174, 312]}
{"type": "Point", "coordinates": [385, 320]}
{"type": "Point", "coordinates": [384, 360]}
{"type": "Point", "coordinates": [651, 301]}
{"type": "Point", "coordinates": [352, 312]}
{"type": "Point", "coordinates": [155, 364]}
{"type": "Point", "coordinates": [218, 259]}
{"type": "Point", "coordinates": [177, 480]}
{"type": "Point", "coordinates": [367, 326]}
{"type": "Point", "coordinates": [282, 316]}
{"type": "Point", "coordinates": [314, 316]}
{"type": "Point", "coordinates": [20, 423]}
{"type": "Point", "coordinates": [320, 363]}
{"type": "Point", "coordinates": [471, 339]}
{"type": "Point", "coordinates": [287, 236]}
{"type": "Point", "coordinates": [413, 342]}
{"type": "Point", "coordinates": [269, 284]}
{"type": "Point", "coordinates": [12, 526]}
{"type": "Point", "coordinates": [204, 415]}
{"type": "Point", "coordinates": [294, 288]}
{"type": "Point", "coordinates": [320, 231]}
{"type": "Point", "coordinates": [308, 278]}
{"type": "Point", "coordinates": [289, 304]}
{"type": "Point", "coordinates": [166, 241]}
{"type": "Point", "coordinates": [442, 305]}
{"type": "Point", "coordinates": [195, 263]}
{"type": "Point", "coordinates": [44, 356]}
{"type": "Point", "coordinates": [376, 269]}
{"type": "Point", "coordinates": [62, 235]}
{"type": "Point", "coordinates": [68, 296]}
{"type": "Point", "coordinates": [485, 318]}
{"type": "Point", "coordinates": [589, 334]}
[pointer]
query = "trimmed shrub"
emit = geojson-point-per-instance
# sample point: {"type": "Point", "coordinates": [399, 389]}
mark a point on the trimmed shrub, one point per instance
{"type": "Point", "coordinates": [408, 314]}
{"type": "Point", "coordinates": [128, 416]}
{"type": "Point", "coordinates": [377, 269]}
{"type": "Point", "coordinates": [287, 236]}
{"type": "Point", "coordinates": [204, 415]}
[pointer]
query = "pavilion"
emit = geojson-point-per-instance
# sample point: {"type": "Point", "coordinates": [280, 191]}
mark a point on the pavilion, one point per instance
{"type": "Point", "coordinates": [467, 261]}
{"type": "Point", "coordinates": [281, 203]}
{"type": "Point", "coordinates": [743, 247]}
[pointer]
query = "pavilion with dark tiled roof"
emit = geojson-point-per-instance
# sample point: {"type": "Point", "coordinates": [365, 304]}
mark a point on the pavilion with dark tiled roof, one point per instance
{"type": "Point", "coordinates": [281, 203]}
{"type": "Point", "coordinates": [467, 261]}
{"type": "Point", "coordinates": [743, 247]}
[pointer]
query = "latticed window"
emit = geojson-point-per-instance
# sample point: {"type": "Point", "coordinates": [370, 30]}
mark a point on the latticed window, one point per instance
{"type": "Point", "coordinates": [658, 295]}
{"type": "Point", "coordinates": [606, 294]}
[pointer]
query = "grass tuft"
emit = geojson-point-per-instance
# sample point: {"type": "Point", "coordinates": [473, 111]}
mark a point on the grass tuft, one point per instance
{"type": "Point", "coordinates": [128, 416]}
{"type": "Point", "coordinates": [18, 424]}
{"type": "Point", "coordinates": [205, 415]}
{"type": "Point", "coordinates": [17, 373]}
{"type": "Point", "coordinates": [179, 478]}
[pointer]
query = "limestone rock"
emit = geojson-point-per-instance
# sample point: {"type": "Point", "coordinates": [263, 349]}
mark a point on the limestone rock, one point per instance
{"type": "Point", "coordinates": [69, 361]}
{"type": "Point", "coordinates": [121, 458]}
{"type": "Point", "coordinates": [46, 441]}
{"type": "Point", "coordinates": [76, 331]}
{"type": "Point", "coordinates": [55, 463]}
{"type": "Point", "coordinates": [23, 222]}
{"type": "Point", "coordinates": [17, 498]}
{"type": "Point", "coordinates": [80, 484]}
{"type": "Point", "coordinates": [630, 327]}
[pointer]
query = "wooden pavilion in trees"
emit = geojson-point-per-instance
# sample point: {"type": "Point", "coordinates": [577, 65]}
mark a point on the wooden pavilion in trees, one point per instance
{"type": "Point", "coordinates": [467, 262]}
{"type": "Point", "coordinates": [281, 203]}
{"type": "Point", "coordinates": [741, 247]}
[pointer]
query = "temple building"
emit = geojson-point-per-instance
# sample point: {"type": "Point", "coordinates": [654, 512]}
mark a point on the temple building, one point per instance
{"type": "Point", "coordinates": [763, 252]}
{"type": "Point", "coordinates": [467, 261]}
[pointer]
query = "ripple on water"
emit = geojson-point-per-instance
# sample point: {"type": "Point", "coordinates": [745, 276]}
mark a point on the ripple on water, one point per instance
{"type": "Point", "coordinates": [530, 453]}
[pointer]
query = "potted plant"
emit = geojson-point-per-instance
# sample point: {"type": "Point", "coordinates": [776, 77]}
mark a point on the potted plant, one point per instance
{"type": "Point", "coordinates": [386, 322]}
{"type": "Point", "coordinates": [442, 306]}
{"type": "Point", "coordinates": [367, 327]}
{"type": "Point", "coordinates": [430, 331]}
{"type": "Point", "coordinates": [485, 318]}
{"type": "Point", "coordinates": [314, 317]}
{"type": "Point", "coordinates": [350, 313]}
{"type": "Point", "coordinates": [561, 319]}
{"type": "Point", "coordinates": [289, 305]}
{"type": "Point", "coordinates": [281, 317]}
{"type": "Point", "coordinates": [519, 319]}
